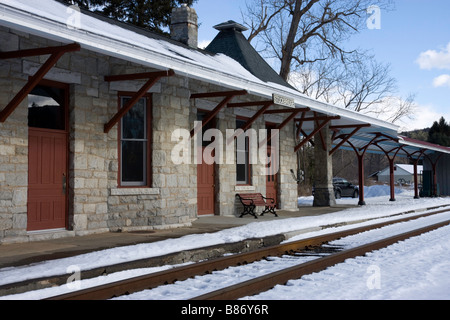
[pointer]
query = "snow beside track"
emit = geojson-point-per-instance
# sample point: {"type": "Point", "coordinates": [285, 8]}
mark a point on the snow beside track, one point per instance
{"type": "Point", "coordinates": [377, 207]}
{"type": "Point", "coordinates": [414, 269]}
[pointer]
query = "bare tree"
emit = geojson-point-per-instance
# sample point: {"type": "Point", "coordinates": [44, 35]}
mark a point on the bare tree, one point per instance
{"type": "Point", "coordinates": [306, 31]}
{"type": "Point", "coordinates": [395, 109]}
{"type": "Point", "coordinates": [306, 39]}
{"type": "Point", "coordinates": [319, 80]}
{"type": "Point", "coordinates": [363, 85]}
{"type": "Point", "coordinates": [367, 84]}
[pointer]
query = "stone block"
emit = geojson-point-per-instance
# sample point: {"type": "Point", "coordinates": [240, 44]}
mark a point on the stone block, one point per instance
{"type": "Point", "coordinates": [8, 41]}
{"type": "Point", "coordinates": [20, 221]}
{"type": "Point", "coordinates": [101, 208]}
{"type": "Point", "coordinates": [5, 223]}
{"type": "Point", "coordinates": [80, 222]}
{"type": "Point", "coordinates": [7, 150]}
{"type": "Point", "coordinates": [159, 158]}
{"type": "Point", "coordinates": [95, 163]}
{"type": "Point", "coordinates": [20, 196]}
{"type": "Point", "coordinates": [171, 180]}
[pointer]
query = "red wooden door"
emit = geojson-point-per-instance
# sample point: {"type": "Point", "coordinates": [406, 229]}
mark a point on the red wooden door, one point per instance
{"type": "Point", "coordinates": [272, 177]}
{"type": "Point", "coordinates": [205, 188]}
{"type": "Point", "coordinates": [47, 179]}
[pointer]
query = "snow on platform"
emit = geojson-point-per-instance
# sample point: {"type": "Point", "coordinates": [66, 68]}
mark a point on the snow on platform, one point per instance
{"type": "Point", "coordinates": [377, 207]}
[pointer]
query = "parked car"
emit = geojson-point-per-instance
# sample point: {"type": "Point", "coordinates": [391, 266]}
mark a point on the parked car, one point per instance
{"type": "Point", "coordinates": [343, 188]}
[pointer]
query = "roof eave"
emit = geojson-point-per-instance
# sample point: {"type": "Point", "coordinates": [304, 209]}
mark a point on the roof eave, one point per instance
{"type": "Point", "coordinates": [50, 29]}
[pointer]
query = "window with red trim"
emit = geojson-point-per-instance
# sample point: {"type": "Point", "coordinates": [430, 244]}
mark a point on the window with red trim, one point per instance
{"type": "Point", "coordinates": [243, 167]}
{"type": "Point", "coordinates": [135, 143]}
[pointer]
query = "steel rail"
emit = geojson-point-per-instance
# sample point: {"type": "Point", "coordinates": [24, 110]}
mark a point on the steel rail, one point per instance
{"type": "Point", "coordinates": [153, 280]}
{"type": "Point", "coordinates": [267, 282]}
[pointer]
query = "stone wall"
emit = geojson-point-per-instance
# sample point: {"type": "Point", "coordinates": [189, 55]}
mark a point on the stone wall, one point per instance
{"type": "Point", "coordinates": [323, 171]}
{"type": "Point", "coordinates": [13, 143]}
{"type": "Point", "coordinates": [227, 204]}
{"type": "Point", "coordinates": [287, 194]}
{"type": "Point", "coordinates": [96, 202]}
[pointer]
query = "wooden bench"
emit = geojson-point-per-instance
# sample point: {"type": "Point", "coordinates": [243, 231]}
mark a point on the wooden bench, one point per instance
{"type": "Point", "coordinates": [252, 200]}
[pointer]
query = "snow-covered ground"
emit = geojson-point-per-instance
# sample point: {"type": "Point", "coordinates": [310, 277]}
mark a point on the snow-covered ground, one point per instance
{"type": "Point", "coordinates": [372, 194]}
{"type": "Point", "coordinates": [376, 277]}
{"type": "Point", "coordinates": [423, 272]}
{"type": "Point", "coordinates": [417, 269]}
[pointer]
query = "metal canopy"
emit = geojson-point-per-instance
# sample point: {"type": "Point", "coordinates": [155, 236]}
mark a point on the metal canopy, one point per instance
{"type": "Point", "coordinates": [393, 144]}
{"type": "Point", "coordinates": [363, 137]}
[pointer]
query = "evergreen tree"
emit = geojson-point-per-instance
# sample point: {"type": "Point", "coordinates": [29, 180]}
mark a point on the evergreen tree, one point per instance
{"type": "Point", "coordinates": [153, 15]}
{"type": "Point", "coordinates": [440, 133]}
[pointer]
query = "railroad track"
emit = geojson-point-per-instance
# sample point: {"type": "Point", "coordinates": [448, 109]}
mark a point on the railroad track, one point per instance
{"type": "Point", "coordinates": [259, 284]}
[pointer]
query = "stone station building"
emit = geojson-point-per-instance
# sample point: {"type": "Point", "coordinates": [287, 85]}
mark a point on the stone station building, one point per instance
{"type": "Point", "coordinates": [90, 109]}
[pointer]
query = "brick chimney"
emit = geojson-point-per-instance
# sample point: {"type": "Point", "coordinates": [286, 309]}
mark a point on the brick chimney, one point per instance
{"type": "Point", "coordinates": [184, 26]}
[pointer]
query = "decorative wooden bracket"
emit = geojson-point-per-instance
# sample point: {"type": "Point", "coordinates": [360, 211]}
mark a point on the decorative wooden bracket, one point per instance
{"type": "Point", "coordinates": [55, 54]}
{"type": "Point", "coordinates": [152, 77]}
{"type": "Point", "coordinates": [293, 114]}
{"type": "Point", "coordinates": [319, 127]}
{"type": "Point", "coordinates": [264, 110]}
{"type": "Point", "coordinates": [266, 105]}
{"type": "Point", "coordinates": [228, 96]}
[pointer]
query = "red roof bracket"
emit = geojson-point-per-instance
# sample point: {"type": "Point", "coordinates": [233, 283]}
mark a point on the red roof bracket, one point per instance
{"type": "Point", "coordinates": [318, 128]}
{"type": "Point", "coordinates": [55, 54]}
{"type": "Point", "coordinates": [228, 96]}
{"type": "Point", "coordinates": [294, 113]}
{"type": "Point", "coordinates": [266, 105]}
{"type": "Point", "coordinates": [152, 77]}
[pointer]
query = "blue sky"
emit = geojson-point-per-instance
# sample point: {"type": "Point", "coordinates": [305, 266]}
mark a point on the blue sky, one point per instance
{"type": "Point", "coordinates": [414, 39]}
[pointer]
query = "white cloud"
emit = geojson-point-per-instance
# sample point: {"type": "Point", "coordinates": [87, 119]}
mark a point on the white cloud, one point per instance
{"type": "Point", "coordinates": [433, 59]}
{"type": "Point", "coordinates": [442, 81]}
{"type": "Point", "coordinates": [424, 118]}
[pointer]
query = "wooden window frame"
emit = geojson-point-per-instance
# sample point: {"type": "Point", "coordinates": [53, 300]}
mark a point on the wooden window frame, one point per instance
{"type": "Point", "coordinates": [149, 146]}
{"type": "Point", "coordinates": [248, 182]}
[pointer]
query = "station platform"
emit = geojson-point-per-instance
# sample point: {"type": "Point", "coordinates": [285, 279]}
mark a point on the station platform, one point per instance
{"type": "Point", "coordinates": [19, 254]}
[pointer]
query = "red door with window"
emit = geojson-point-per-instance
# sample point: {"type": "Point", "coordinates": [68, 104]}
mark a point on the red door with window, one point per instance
{"type": "Point", "coordinates": [205, 172]}
{"type": "Point", "coordinates": [271, 179]}
{"type": "Point", "coordinates": [272, 171]}
{"type": "Point", "coordinates": [47, 157]}
{"type": "Point", "coordinates": [205, 188]}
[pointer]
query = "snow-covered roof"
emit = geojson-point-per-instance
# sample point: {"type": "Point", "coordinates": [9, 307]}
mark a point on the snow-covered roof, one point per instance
{"type": "Point", "coordinates": [409, 168]}
{"type": "Point", "coordinates": [54, 20]}
{"type": "Point", "coordinates": [401, 169]}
